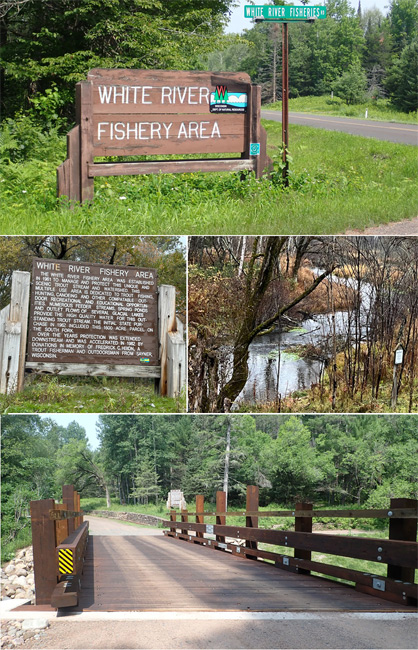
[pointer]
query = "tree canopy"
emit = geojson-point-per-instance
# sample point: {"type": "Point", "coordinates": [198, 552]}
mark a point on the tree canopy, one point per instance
{"type": "Point", "coordinates": [47, 42]}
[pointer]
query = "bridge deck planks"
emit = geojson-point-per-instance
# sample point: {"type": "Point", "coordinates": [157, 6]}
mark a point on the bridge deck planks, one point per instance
{"type": "Point", "coordinates": [163, 574]}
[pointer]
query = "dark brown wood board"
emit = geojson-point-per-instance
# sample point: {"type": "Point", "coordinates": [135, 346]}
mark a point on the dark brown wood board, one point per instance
{"type": "Point", "coordinates": [93, 313]}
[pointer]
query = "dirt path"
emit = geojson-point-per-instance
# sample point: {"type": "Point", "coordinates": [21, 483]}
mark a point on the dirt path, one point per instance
{"type": "Point", "coordinates": [396, 228]}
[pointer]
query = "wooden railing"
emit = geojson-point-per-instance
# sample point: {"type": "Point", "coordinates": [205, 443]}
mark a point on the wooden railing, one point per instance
{"type": "Point", "coordinates": [399, 552]}
{"type": "Point", "coordinates": [59, 538]}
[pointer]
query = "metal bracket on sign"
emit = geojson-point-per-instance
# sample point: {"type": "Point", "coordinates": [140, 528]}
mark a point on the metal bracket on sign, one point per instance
{"type": "Point", "coordinates": [209, 529]}
{"type": "Point", "coordinates": [221, 545]}
{"type": "Point", "coordinates": [286, 561]}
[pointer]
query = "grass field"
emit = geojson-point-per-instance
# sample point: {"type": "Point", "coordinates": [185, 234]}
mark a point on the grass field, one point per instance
{"type": "Point", "coordinates": [89, 395]}
{"type": "Point", "coordinates": [380, 109]}
{"type": "Point", "coordinates": [338, 182]}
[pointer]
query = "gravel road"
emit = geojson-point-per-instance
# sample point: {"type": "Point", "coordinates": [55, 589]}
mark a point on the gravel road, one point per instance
{"type": "Point", "coordinates": [335, 631]}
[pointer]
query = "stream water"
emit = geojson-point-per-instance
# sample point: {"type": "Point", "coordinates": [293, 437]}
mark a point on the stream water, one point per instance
{"type": "Point", "coordinates": [275, 371]}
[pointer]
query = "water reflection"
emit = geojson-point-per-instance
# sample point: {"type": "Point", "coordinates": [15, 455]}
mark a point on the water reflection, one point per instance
{"type": "Point", "coordinates": [274, 372]}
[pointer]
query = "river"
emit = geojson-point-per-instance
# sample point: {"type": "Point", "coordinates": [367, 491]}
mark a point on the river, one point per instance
{"type": "Point", "coordinates": [274, 371]}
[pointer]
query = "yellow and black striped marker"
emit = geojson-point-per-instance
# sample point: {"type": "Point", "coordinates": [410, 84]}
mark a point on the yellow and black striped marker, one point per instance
{"type": "Point", "coordinates": [65, 561]}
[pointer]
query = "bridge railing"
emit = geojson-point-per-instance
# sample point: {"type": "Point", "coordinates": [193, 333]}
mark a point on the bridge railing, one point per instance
{"type": "Point", "coordinates": [399, 553]}
{"type": "Point", "coordinates": [59, 539]}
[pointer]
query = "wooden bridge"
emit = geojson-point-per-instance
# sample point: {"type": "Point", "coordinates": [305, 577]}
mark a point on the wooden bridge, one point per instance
{"type": "Point", "coordinates": [198, 566]}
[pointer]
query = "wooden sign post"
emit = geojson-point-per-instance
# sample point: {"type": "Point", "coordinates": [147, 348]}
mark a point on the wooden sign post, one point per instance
{"type": "Point", "coordinates": [154, 112]}
{"type": "Point", "coordinates": [397, 363]}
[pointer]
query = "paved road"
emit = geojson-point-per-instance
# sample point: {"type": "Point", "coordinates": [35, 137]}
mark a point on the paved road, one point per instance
{"type": "Point", "coordinates": [391, 131]}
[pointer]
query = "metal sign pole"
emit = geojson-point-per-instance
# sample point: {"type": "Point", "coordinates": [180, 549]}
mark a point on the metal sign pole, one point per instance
{"type": "Point", "coordinates": [285, 101]}
{"type": "Point", "coordinates": [283, 14]}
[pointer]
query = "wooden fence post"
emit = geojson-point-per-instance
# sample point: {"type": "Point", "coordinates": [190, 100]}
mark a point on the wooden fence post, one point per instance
{"type": "Point", "coordinates": [185, 518]}
{"type": "Point", "coordinates": [251, 521]}
{"type": "Point", "coordinates": [403, 530]}
{"type": "Point", "coordinates": [220, 519]}
{"type": "Point", "coordinates": [84, 108]}
{"type": "Point", "coordinates": [200, 507]}
{"type": "Point", "coordinates": [173, 517]}
{"type": "Point", "coordinates": [303, 525]}
{"type": "Point", "coordinates": [256, 129]}
{"type": "Point", "coordinates": [176, 367]}
{"type": "Point", "coordinates": [4, 314]}
{"type": "Point", "coordinates": [68, 500]}
{"type": "Point", "coordinates": [14, 337]}
{"type": "Point", "coordinates": [166, 323]}
{"type": "Point", "coordinates": [44, 545]}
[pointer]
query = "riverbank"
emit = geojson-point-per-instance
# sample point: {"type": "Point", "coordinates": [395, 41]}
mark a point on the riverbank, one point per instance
{"type": "Point", "coordinates": [318, 398]}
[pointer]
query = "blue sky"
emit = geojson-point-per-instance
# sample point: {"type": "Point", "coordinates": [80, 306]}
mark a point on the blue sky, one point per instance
{"type": "Point", "coordinates": [238, 22]}
{"type": "Point", "coordinates": [86, 420]}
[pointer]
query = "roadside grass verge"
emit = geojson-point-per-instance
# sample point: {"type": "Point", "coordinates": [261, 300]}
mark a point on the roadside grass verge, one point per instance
{"type": "Point", "coordinates": [44, 394]}
{"type": "Point", "coordinates": [379, 109]}
{"type": "Point", "coordinates": [338, 182]}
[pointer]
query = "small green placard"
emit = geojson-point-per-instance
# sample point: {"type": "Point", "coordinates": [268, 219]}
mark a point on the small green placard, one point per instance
{"type": "Point", "coordinates": [284, 14]}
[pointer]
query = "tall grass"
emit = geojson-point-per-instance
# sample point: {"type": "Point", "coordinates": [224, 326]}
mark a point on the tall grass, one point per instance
{"type": "Point", "coordinates": [338, 182]}
{"type": "Point", "coordinates": [44, 394]}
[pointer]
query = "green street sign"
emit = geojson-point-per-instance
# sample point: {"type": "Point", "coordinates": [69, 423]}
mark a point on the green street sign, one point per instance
{"type": "Point", "coordinates": [276, 13]}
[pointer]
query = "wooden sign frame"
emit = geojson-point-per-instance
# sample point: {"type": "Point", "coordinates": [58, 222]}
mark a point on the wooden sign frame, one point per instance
{"type": "Point", "coordinates": [169, 375]}
{"type": "Point", "coordinates": [164, 96]}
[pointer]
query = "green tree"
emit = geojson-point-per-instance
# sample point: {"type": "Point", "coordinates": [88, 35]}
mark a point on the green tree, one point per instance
{"type": "Point", "coordinates": [58, 41]}
{"type": "Point", "coordinates": [290, 462]}
{"type": "Point", "coordinates": [351, 86]}
{"type": "Point", "coordinates": [146, 481]}
{"type": "Point", "coordinates": [403, 22]}
{"type": "Point", "coordinates": [402, 81]}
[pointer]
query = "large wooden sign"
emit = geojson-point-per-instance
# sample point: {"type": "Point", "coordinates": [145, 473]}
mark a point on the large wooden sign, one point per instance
{"type": "Point", "coordinates": [92, 313]}
{"type": "Point", "coordinates": [160, 112]}
{"type": "Point", "coordinates": [93, 320]}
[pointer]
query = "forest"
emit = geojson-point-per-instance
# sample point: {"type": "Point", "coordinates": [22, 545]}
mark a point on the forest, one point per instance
{"type": "Point", "coordinates": [335, 460]}
{"type": "Point", "coordinates": [357, 55]}
{"type": "Point", "coordinates": [314, 321]}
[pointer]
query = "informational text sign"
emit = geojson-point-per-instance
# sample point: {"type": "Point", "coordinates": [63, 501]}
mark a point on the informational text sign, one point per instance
{"type": "Point", "coordinates": [93, 313]}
